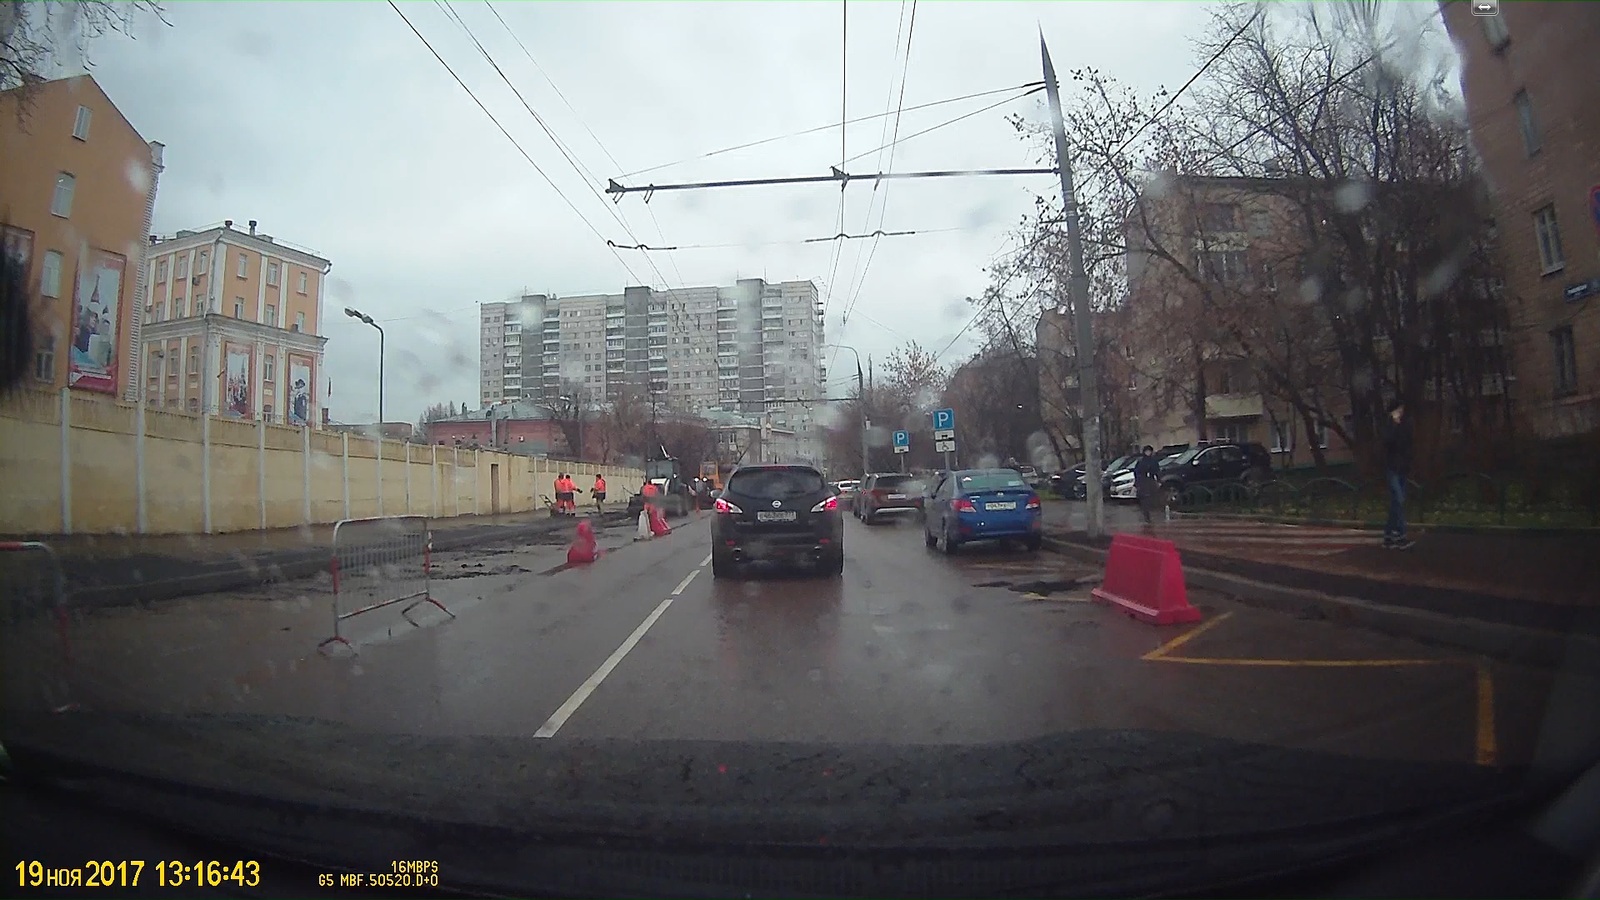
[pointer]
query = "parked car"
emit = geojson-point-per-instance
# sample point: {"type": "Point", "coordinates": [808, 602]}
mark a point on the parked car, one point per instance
{"type": "Point", "coordinates": [1080, 487]}
{"type": "Point", "coordinates": [776, 513]}
{"type": "Point", "coordinates": [673, 496]}
{"type": "Point", "coordinates": [846, 492]}
{"type": "Point", "coordinates": [1209, 463]}
{"type": "Point", "coordinates": [982, 504]}
{"type": "Point", "coordinates": [888, 494]}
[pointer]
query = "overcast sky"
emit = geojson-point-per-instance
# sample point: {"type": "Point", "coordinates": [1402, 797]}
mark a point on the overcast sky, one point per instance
{"type": "Point", "coordinates": [335, 127]}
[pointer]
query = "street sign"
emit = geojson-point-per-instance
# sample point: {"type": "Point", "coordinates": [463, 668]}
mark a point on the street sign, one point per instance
{"type": "Point", "coordinates": [944, 446]}
{"type": "Point", "coordinates": [944, 419]}
{"type": "Point", "coordinates": [902, 441]}
{"type": "Point", "coordinates": [947, 434]}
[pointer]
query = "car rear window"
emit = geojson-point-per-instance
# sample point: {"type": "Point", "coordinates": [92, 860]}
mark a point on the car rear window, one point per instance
{"type": "Point", "coordinates": [892, 482]}
{"type": "Point", "coordinates": [776, 484]}
{"type": "Point", "coordinates": [991, 481]}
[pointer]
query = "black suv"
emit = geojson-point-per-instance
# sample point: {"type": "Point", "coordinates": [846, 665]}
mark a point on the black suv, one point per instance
{"type": "Point", "coordinates": [1218, 461]}
{"type": "Point", "coordinates": [777, 513]}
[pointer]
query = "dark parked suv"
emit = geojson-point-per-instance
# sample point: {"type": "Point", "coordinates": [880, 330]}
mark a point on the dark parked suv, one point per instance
{"type": "Point", "coordinates": [777, 514]}
{"type": "Point", "coordinates": [1214, 462]}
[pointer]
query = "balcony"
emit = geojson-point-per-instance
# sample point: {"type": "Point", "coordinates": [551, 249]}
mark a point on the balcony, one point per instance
{"type": "Point", "coordinates": [1234, 406]}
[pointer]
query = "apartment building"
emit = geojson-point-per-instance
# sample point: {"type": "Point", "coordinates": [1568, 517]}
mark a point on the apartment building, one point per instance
{"type": "Point", "coordinates": [77, 194]}
{"type": "Point", "coordinates": [1529, 75]}
{"type": "Point", "coordinates": [232, 325]}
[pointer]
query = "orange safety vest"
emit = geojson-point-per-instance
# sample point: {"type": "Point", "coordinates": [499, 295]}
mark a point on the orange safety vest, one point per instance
{"type": "Point", "coordinates": [649, 489]}
{"type": "Point", "coordinates": [600, 484]}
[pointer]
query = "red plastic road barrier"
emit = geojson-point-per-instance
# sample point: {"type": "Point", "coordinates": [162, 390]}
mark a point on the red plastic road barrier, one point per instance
{"type": "Point", "coordinates": [658, 522]}
{"type": "Point", "coordinates": [1145, 577]}
{"type": "Point", "coordinates": [583, 548]}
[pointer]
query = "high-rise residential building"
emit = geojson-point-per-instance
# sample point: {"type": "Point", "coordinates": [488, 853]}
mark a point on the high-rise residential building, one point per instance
{"type": "Point", "coordinates": [746, 347]}
{"type": "Point", "coordinates": [232, 325]}
{"type": "Point", "coordinates": [1528, 75]}
{"type": "Point", "coordinates": [77, 193]}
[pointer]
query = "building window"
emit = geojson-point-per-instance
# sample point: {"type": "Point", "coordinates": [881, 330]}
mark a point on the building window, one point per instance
{"type": "Point", "coordinates": [266, 413]}
{"type": "Point", "coordinates": [194, 404]}
{"type": "Point", "coordinates": [161, 271]}
{"type": "Point", "coordinates": [1566, 359]}
{"type": "Point", "coordinates": [44, 358]}
{"type": "Point", "coordinates": [182, 268]}
{"type": "Point", "coordinates": [302, 287]}
{"type": "Point", "coordinates": [272, 274]}
{"type": "Point", "coordinates": [1224, 266]}
{"type": "Point", "coordinates": [272, 315]}
{"type": "Point", "coordinates": [1494, 30]}
{"type": "Point", "coordinates": [200, 263]}
{"type": "Point", "coordinates": [1219, 217]}
{"type": "Point", "coordinates": [80, 125]}
{"type": "Point", "coordinates": [1282, 437]}
{"type": "Point", "coordinates": [61, 200]}
{"type": "Point", "coordinates": [1548, 233]}
{"type": "Point", "coordinates": [50, 274]}
{"type": "Point", "coordinates": [1530, 130]}
{"type": "Point", "coordinates": [1321, 436]}
{"type": "Point", "coordinates": [179, 307]}
{"type": "Point", "coordinates": [238, 307]}
{"type": "Point", "coordinates": [268, 367]}
{"type": "Point", "coordinates": [194, 360]}
{"type": "Point", "coordinates": [299, 321]}
{"type": "Point", "coordinates": [243, 268]}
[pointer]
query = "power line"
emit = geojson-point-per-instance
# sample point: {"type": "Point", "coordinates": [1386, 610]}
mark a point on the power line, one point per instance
{"type": "Point", "coordinates": [837, 175]}
{"type": "Point", "coordinates": [592, 136]}
{"type": "Point", "coordinates": [948, 122]}
{"type": "Point", "coordinates": [1192, 79]}
{"type": "Point", "coordinates": [829, 127]}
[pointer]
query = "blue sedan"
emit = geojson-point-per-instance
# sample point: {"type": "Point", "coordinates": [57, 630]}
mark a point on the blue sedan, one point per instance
{"type": "Point", "coordinates": [982, 505]}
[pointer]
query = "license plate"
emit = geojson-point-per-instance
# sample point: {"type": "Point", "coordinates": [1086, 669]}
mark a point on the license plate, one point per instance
{"type": "Point", "coordinates": [993, 506]}
{"type": "Point", "coordinates": [897, 496]}
{"type": "Point", "coordinates": [780, 516]}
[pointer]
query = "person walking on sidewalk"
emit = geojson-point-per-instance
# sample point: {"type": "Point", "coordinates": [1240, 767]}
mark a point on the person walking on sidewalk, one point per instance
{"type": "Point", "coordinates": [1397, 466]}
{"type": "Point", "coordinates": [1147, 481]}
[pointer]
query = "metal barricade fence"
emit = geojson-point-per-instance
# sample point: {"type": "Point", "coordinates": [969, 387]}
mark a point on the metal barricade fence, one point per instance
{"type": "Point", "coordinates": [379, 562]}
{"type": "Point", "coordinates": [36, 645]}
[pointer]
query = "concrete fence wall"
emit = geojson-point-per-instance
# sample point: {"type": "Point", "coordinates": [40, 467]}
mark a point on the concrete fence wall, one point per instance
{"type": "Point", "coordinates": [72, 464]}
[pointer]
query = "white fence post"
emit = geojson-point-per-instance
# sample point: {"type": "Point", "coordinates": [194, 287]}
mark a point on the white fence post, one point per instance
{"type": "Point", "coordinates": [433, 479]}
{"type": "Point", "coordinates": [261, 471]}
{"type": "Point", "coordinates": [305, 472]}
{"type": "Point", "coordinates": [455, 481]}
{"type": "Point", "coordinates": [66, 460]}
{"type": "Point", "coordinates": [407, 445]}
{"type": "Point", "coordinates": [141, 516]}
{"type": "Point", "coordinates": [346, 453]}
{"type": "Point", "coordinates": [205, 470]}
{"type": "Point", "coordinates": [477, 482]}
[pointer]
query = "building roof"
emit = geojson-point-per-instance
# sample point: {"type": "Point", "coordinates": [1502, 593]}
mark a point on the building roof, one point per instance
{"type": "Point", "coordinates": [72, 82]}
{"type": "Point", "coordinates": [261, 243]}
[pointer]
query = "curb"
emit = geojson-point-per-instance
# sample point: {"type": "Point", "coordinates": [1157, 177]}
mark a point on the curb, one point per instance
{"type": "Point", "coordinates": [278, 566]}
{"type": "Point", "coordinates": [1507, 643]}
{"type": "Point", "coordinates": [1420, 527]}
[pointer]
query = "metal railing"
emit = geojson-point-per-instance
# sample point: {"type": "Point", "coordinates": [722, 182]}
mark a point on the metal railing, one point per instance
{"type": "Point", "coordinates": [380, 562]}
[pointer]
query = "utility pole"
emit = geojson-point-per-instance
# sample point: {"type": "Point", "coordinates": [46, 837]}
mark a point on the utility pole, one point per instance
{"type": "Point", "coordinates": [866, 421]}
{"type": "Point", "coordinates": [1088, 377]}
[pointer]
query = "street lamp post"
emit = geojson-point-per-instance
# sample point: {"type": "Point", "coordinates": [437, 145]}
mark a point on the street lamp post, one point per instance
{"type": "Point", "coordinates": [357, 314]}
{"type": "Point", "coordinates": [861, 393]}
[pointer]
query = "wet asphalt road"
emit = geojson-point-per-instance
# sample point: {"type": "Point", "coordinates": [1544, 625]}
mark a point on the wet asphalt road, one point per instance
{"type": "Point", "coordinates": [908, 647]}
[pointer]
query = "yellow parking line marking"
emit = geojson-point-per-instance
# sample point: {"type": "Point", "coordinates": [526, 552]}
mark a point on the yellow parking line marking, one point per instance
{"type": "Point", "coordinates": [1301, 663]}
{"type": "Point", "coordinates": [1161, 651]}
{"type": "Point", "coordinates": [1488, 752]}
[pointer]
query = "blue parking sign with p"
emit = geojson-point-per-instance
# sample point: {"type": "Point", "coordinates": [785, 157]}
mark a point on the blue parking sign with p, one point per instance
{"type": "Point", "coordinates": [902, 438]}
{"type": "Point", "coordinates": [944, 419]}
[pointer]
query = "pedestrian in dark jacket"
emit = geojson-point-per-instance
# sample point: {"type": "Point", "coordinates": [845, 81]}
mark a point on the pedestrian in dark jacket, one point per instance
{"type": "Point", "coordinates": [1147, 481]}
{"type": "Point", "coordinates": [1397, 467]}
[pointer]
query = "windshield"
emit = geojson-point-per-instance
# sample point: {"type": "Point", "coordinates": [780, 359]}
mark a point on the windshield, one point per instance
{"type": "Point", "coordinates": [776, 484]}
{"type": "Point", "coordinates": [998, 480]}
{"type": "Point", "coordinates": [321, 325]}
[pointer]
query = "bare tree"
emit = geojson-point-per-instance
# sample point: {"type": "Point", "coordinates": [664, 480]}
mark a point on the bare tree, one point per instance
{"type": "Point", "coordinates": [36, 34]}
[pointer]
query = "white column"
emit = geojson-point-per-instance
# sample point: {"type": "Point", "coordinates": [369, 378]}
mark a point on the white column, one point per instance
{"type": "Point", "coordinates": [258, 386]}
{"type": "Point", "coordinates": [455, 481]}
{"type": "Point", "coordinates": [346, 452]}
{"type": "Point", "coordinates": [433, 479]}
{"type": "Point", "coordinates": [407, 446]}
{"type": "Point", "coordinates": [477, 482]}
{"type": "Point", "coordinates": [305, 472]}
{"type": "Point", "coordinates": [66, 460]}
{"type": "Point", "coordinates": [261, 469]}
{"type": "Point", "coordinates": [141, 516]}
{"type": "Point", "coordinates": [380, 468]}
{"type": "Point", "coordinates": [205, 464]}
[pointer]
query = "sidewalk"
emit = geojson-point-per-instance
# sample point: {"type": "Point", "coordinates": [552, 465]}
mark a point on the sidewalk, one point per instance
{"type": "Point", "coordinates": [102, 570]}
{"type": "Point", "coordinates": [1549, 582]}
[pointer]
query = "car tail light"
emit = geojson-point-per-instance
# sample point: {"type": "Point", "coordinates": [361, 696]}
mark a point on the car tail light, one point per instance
{"type": "Point", "coordinates": [963, 505]}
{"type": "Point", "coordinates": [725, 508]}
{"type": "Point", "coordinates": [1033, 502]}
{"type": "Point", "coordinates": [828, 505]}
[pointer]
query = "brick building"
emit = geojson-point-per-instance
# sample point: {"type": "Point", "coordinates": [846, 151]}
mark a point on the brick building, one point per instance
{"type": "Point", "coordinates": [1531, 79]}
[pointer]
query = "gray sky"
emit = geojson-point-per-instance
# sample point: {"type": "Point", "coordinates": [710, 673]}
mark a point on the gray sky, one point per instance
{"type": "Point", "coordinates": [333, 125]}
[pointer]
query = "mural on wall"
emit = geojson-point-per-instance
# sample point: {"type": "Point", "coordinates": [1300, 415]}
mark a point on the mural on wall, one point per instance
{"type": "Point", "coordinates": [236, 382]}
{"type": "Point", "coordinates": [299, 390]}
{"type": "Point", "coordinates": [96, 308]}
